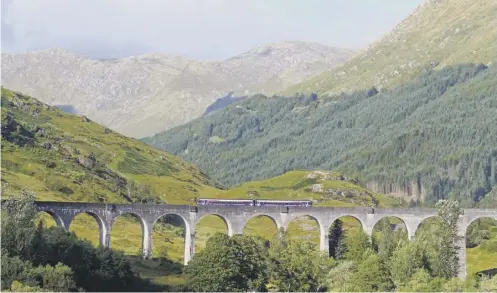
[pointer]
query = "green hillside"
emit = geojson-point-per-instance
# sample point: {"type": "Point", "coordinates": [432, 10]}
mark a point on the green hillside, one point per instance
{"type": "Point", "coordinates": [437, 34]}
{"type": "Point", "coordinates": [322, 187]}
{"type": "Point", "coordinates": [69, 158]}
{"type": "Point", "coordinates": [424, 139]}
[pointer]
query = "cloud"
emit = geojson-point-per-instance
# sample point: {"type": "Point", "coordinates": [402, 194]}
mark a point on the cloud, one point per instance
{"type": "Point", "coordinates": [209, 29]}
{"type": "Point", "coordinates": [8, 36]}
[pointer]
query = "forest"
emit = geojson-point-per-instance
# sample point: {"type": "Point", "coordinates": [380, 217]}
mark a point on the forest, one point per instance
{"type": "Point", "coordinates": [432, 138]}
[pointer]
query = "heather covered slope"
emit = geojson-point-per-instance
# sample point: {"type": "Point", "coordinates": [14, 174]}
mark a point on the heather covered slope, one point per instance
{"type": "Point", "coordinates": [439, 33]}
{"type": "Point", "coordinates": [431, 138]}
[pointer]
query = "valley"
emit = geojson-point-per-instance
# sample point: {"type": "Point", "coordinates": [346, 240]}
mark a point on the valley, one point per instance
{"type": "Point", "coordinates": [408, 122]}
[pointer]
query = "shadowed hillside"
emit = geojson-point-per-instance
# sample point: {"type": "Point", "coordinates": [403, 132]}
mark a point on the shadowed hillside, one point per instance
{"type": "Point", "coordinates": [421, 140]}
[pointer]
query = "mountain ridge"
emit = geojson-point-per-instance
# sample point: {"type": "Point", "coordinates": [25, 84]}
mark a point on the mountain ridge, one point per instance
{"type": "Point", "coordinates": [438, 33]}
{"type": "Point", "coordinates": [142, 95]}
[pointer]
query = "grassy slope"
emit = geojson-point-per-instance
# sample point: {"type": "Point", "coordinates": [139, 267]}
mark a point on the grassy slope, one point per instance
{"type": "Point", "coordinates": [121, 162]}
{"type": "Point", "coordinates": [445, 33]}
{"type": "Point", "coordinates": [297, 185]}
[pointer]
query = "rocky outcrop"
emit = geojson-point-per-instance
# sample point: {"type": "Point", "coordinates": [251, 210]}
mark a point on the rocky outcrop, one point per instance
{"type": "Point", "coordinates": [329, 176]}
{"type": "Point", "coordinates": [356, 195]}
{"type": "Point", "coordinates": [88, 162]}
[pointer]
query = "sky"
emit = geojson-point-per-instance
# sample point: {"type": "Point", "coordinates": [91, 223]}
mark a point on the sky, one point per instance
{"type": "Point", "coordinates": [199, 29]}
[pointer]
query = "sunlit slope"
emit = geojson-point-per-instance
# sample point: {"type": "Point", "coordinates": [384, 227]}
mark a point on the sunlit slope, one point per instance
{"type": "Point", "coordinates": [65, 157]}
{"type": "Point", "coordinates": [438, 33]}
{"type": "Point", "coordinates": [322, 187]}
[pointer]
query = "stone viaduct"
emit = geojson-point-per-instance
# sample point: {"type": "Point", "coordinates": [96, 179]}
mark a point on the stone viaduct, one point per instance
{"type": "Point", "coordinates": [237, 217]}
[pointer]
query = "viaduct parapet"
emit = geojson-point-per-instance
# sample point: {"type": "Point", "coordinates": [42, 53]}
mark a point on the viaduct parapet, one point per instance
{"type": "Point", "coordinates": [237, 217]}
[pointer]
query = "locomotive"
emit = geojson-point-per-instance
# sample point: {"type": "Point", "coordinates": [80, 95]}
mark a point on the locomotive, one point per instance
{"type": "Point", "coordinates": [254, 202]}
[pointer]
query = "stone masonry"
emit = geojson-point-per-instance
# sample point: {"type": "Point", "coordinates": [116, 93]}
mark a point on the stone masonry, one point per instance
{"type": "Point", "coordinates": [237, 217]}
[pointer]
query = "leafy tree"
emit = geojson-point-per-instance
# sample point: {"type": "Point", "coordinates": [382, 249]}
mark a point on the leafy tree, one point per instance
{"type": "Point", "coordinates": [479, 232]}
{"type": "Point", "coordinates": [476, 237]}
{"type": "Point", "coordinates": [384, 241]}
{"type": "Point", "coordinates": [234, 264]}
{"type": "Point", "coordinates": [357, 244]}
{"type": "Point", "coordinates": [373, 275]}
{"type": "Point", "coordinates": [18, 229]}
{"type": "Point", "coordinates": [13, 268]}
{"type": "Point", "coordinates": [20, 287]}
{"type": "Point", "coordinates": [95, 269]}
{"type": "Point", "coordinates": [341, 277]}
{"type": "Point", "coordinates": [58, 278]}
{"type": "Point", "coordinates": [421, 281]}
{"type": "Point", "coordinates": [406, 259]}
{"type": "Point", "coordinates": [296, 265]}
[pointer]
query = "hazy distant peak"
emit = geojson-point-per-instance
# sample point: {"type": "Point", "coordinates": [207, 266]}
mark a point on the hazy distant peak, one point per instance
{"type": "Point", "coordinates": [163, 55]}
{"type": "Point", "coordinates": [292, 46]}
{"type": "Point", "coordinates": [51, 51]}
{"type": "Point", "coordinates": [430, 2]}
{"type": "Point", "coordinates": [142, 95]}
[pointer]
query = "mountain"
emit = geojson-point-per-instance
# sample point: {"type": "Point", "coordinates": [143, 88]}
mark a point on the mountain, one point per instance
{"type": "Point", "coordinates": [434, 137]}
{"type": "Point", "coordinates": [139, 96]}
{"type": "Point", "coordinates": [439, 33]}
{"type": "Point", "coordinates": [65, 157]}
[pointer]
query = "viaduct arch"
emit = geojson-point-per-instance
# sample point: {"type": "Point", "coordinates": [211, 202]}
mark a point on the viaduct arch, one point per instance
{"type": "Point", "coordinates": [236, 218]}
